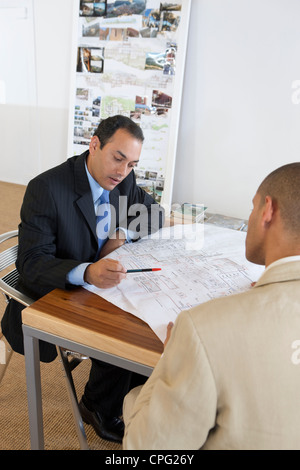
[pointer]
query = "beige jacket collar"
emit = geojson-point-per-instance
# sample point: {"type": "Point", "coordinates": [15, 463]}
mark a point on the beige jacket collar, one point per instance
{"type": "Point", "coordinates": [285, 269]}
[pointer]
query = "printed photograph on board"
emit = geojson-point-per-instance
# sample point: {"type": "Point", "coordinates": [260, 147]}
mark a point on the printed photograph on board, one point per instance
{"type": "Point", "coordinates": [92, 8]}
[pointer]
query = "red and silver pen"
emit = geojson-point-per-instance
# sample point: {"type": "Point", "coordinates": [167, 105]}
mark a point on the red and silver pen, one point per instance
{"type": "Point", "coordinates": [142, 270]}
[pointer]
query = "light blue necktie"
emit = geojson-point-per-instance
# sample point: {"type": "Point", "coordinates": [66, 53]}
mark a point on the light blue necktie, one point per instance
{"type": "Point", "coordinates": [103, 218]}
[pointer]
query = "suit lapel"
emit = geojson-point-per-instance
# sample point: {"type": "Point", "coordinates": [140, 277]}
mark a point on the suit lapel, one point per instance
{"type": "Point", "coordinates": [82, 188]}
{"type": "Point", "coordinates": [85, 200]}
{"type": "Point", "coordinates": [114, 203]}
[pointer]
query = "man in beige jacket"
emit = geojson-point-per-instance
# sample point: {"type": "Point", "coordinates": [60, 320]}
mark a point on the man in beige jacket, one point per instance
{"type": "Point", "coordinates": [229, 377]}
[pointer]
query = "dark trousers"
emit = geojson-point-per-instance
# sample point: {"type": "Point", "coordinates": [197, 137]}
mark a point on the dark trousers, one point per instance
{"type": "Point", "coordinates": [107, 387]}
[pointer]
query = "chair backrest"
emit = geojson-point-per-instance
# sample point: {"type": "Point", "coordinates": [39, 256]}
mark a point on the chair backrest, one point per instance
{"type": "Point", "coordinates": [9, 280]}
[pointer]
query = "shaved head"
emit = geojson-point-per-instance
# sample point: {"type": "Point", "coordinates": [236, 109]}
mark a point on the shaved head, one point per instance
{"type": "Point", "coordinates": [283, 186]}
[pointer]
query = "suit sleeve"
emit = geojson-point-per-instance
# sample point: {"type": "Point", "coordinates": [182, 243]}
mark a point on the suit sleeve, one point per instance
{"type": "Point", "coordinates": [176, 408]}
{"type": "Point", "coordinates": [37, 256]}
{"type": "Point", "coordinates": [143, 214]}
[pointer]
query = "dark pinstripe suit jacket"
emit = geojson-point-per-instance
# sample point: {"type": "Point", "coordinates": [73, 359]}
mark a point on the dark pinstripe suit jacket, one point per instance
{"type": "Point", "coordinates": [58, 231]}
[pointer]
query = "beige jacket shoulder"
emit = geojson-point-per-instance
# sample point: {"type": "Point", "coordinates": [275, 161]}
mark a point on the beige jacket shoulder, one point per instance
{"type": "Point", "coordinates": [229, 377]}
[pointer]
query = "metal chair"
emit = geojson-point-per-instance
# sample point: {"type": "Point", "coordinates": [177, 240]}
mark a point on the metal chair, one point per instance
{"type": "Point", "coordinates": [68, 359]}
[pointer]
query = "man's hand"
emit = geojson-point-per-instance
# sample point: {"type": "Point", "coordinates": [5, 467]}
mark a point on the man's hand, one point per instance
{"type": "Point", "coordinates": [113, 243]}
{"type": "Point", "coordinates": [105, 273]}
{"type": "Point", "coordinates": [169, 329]}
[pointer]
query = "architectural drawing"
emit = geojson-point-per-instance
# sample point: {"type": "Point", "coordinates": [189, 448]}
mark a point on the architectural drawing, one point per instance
{"type": "Point", "coordinates": [216, 267]}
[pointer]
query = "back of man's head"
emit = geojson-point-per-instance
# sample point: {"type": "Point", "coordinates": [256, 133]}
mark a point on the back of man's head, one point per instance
{"type": "Point", "coordinates": [283, 185]}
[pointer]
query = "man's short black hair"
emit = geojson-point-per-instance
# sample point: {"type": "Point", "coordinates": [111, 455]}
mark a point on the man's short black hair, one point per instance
{"type": "Point", "coordinates": [109, 126]}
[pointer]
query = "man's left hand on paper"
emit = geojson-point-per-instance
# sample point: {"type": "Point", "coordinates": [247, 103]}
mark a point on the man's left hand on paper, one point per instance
{"type": "Point", "coordinates": [169, 330]}
{"type": "Point", "coordinates": [118, 239]}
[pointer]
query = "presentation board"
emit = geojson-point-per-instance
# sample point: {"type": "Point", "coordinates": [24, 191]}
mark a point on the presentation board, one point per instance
{"type": "Point", "coordinates": [129, 59]}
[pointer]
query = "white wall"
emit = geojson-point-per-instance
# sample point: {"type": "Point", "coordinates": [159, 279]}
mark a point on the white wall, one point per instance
{"type": "Point", "coordinates": [34, 134]}
{"type": "Point", "coordinates": [18, 117]}
{"type": "Point", "coordinates": [53, 26]}
{"type": "Point", "coordinates": [238, 121]}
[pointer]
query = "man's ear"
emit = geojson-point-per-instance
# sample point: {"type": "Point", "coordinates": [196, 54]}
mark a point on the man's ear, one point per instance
{"type": "Point", "coordinates": [94, 144]}
{"type": "Point", "coordinates": [269, 210]}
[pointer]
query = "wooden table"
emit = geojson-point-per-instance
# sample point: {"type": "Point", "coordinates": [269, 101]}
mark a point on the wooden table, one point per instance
{"type": "Point", "coordinates": [81, 321]}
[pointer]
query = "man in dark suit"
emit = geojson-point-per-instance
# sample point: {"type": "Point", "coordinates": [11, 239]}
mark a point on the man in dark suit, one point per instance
{"type": "Point", "coordinates": [62, 245]}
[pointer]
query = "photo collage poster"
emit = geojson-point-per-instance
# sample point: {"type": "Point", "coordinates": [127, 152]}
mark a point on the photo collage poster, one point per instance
{"type": "Point", "coordinates": [126, 64]}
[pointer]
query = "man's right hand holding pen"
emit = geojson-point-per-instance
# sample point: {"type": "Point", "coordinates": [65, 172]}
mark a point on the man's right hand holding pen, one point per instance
{"type": "Point", "coordinates": [105, 273]}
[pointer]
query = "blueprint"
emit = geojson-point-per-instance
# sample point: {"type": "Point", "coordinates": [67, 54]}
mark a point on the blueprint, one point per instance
{"type": "Point", "coordinates": [198, 262]}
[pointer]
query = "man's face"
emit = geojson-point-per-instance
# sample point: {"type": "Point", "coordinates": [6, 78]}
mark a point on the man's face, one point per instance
{"type": "Point", "coordinates": [255, 251]}
{"type": "Point", "coordinates": [115, 161]}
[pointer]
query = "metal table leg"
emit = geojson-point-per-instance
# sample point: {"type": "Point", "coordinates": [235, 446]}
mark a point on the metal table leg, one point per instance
{"type": "Point", "coordinates": [34, 391]}
{"type": "Point", "coordinates": [73, 400]}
